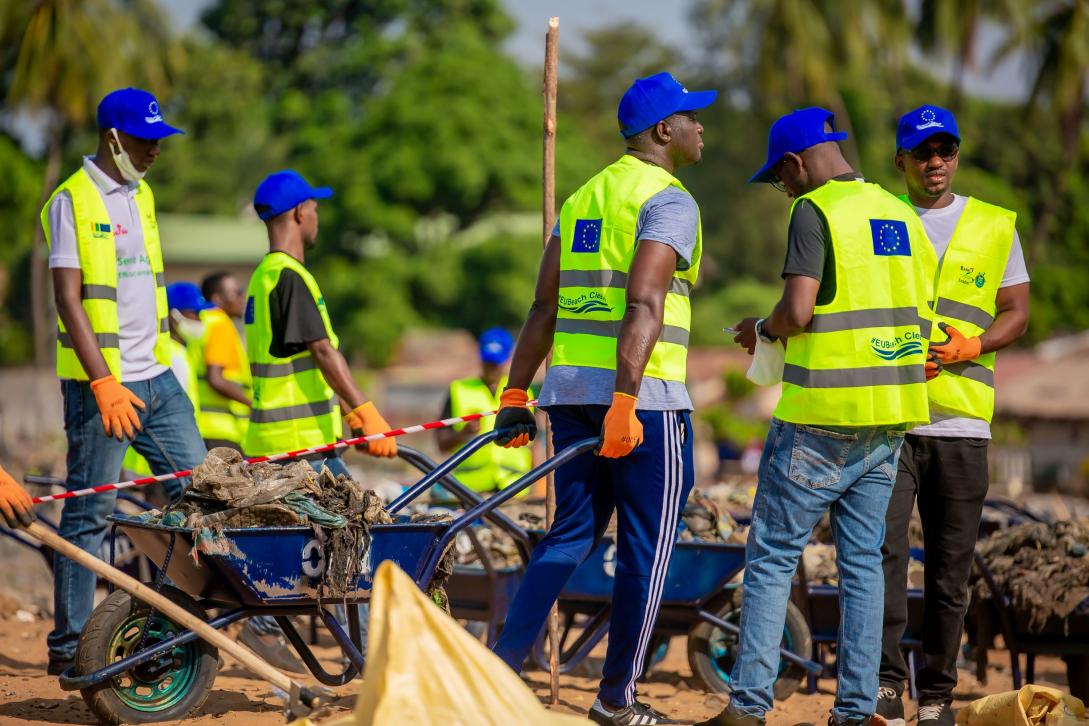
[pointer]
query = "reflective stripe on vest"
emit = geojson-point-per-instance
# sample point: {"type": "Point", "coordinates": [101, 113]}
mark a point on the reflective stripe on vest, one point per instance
{"type": "Point", "coordinates": [221, 417]}
{"type": "Point", "coordinates": [597, 238]}
{"type": "Point", "coordinates": [293, 405]}
{"type": "Point", "coordinates": [969, 276]}
{"type": "Point", "coordinates": [98, 269]}
{"type": "Point", "coordinates": [492, 467]}
{"type": "Point", "coordinates": [860, 361]}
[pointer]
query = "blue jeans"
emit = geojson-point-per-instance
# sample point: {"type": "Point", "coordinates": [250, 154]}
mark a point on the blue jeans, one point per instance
{"type": "Point", "coordinates": [804, 472]}
{"type": "Point", "coordinates": [169, 441]}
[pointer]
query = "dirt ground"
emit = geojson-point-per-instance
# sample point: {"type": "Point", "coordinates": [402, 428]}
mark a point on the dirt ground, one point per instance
{"type": "Point", "coordinates": [28, 696]}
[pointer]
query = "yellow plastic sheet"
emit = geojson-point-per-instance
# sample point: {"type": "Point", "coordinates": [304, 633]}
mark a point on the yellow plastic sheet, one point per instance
{"type": "Point", "coordinates": [1031, 706]}
{"type": "Point", "coordinates": [424, 669]}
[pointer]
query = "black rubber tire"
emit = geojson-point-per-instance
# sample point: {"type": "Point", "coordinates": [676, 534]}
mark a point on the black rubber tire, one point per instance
{"type": "Point", "coordinates": [108, 618]}
{"type": "Point", "coordinates": [727, 606]}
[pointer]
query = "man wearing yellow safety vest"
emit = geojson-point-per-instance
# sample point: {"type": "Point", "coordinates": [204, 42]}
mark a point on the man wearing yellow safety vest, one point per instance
{"type": "Point", "coordinates": [981, 305]}
{"type": "Point", "coordinates": [854, 319]}
{"type": "Point", "coordinates": [612, 300]}
{"type": "Point", "coordinates": [113, 342]}
{"type": "Point", "coordinates": [493, 467]}
{"type": "Point", "coordinates": [223, 372]}
{"type": "Point", "coordinates": [297, 370]}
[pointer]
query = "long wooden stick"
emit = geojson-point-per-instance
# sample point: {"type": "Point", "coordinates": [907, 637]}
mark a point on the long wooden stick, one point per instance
{"type": "Point", "coordinates": [167, 607]}
{"type": "Point", "coordinates": [548, 215]}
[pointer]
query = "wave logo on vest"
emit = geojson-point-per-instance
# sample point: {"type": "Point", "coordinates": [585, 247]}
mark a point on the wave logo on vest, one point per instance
{"type": "Point", "coordinates": [898, 347]}
{"type": "Point", "coordinates": [890, 238]}
{"type": "Point", "coordinates": [591, 302]}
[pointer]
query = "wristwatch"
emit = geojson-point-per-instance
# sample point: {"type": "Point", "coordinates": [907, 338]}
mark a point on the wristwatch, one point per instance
{"type": "Point", "coordinates": [760, 331]}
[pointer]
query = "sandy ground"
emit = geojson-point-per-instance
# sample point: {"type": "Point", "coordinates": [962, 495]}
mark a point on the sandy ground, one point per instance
{"type": "Point", "coordinates": [28, 696]}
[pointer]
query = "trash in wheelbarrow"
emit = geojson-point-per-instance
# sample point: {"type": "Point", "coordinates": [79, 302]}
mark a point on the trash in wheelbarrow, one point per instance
{"type": "Point", "coordinates": [228, 493]}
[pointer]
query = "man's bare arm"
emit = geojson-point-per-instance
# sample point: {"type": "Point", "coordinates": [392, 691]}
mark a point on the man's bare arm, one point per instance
{"type": "Point", "coordinates": [225, 388]}
{"type": "Point", "coordinates": [337, 373]}
{"type": "Point", "coordinates": [535, 340]}
{"type": "Point", "coordinates": [648, 282]}
{"type": "Point", "coordinates": [67, 287]}
{"type": "Point", "coordinates": [1011, 321]}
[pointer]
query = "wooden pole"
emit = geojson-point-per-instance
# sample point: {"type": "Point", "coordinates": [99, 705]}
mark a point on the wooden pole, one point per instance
{"type": "Point", "coordinates": [548, 219]}
{"type": "Point", "coordinates": [167, 607]}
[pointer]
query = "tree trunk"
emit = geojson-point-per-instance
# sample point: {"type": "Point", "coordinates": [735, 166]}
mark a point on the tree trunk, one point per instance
{"type": "Point", "coordinates": [41, 288]}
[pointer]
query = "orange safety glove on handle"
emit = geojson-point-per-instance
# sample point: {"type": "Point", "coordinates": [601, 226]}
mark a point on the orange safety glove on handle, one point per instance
{"type": "Point", "coordinates": [516, 424]}
{"type": "Point", "coordinates": [15, 504]}
{"type": "Point", "coordinates": [116, 402]}
{"type": "Point", "coordinates": [622, 430]}
{"type": "Point", "coordinates": [957, 348]}
{"type": "Point", "coordinates": [366, 420]}
{"type": "Point", "coordinates": [932, 367]}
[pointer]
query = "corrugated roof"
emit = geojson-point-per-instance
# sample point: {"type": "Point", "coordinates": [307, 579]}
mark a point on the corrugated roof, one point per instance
{"type": "Point", "coordinates": [212, 239]}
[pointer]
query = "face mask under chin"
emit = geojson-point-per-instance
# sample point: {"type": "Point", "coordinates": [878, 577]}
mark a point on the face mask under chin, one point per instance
{"type": "Point", "coordinates": [128, 170]}
{"type": "Point", "coordinates": [188, 329]}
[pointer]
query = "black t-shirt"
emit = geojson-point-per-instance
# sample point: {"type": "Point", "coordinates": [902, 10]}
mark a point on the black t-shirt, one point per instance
{"type": "Point", "coordinates": [807, 254]}
{"type": "Point", "coordinates": [294, 315]}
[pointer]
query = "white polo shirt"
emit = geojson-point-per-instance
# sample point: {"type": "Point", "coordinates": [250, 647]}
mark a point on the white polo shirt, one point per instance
{"type": "Point", "coordinates": [138, 322]}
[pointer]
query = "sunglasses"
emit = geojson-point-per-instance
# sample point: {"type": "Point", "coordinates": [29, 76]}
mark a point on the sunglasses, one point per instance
{"type": "Point", "coordinates": [776, 182]}
{"type": "Point", "coordinates": [946, 152]}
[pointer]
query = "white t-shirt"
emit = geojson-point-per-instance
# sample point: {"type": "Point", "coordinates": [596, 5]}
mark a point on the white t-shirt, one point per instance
{"type": "Point", "coordinates": [939, 225]}
{"type": "Point", "coordinates": [137, 319]}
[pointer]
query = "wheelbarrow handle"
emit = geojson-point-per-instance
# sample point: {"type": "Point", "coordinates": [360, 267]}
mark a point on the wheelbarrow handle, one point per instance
{"type": "Point", "coordinates": [441, 471]}
{"type": "Point", "coordinates": [501, 497]}
{"type": "Point", "coordinates": [809, 665]}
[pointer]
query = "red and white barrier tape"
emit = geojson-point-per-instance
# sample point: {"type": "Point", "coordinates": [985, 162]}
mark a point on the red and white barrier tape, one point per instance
{"type": "Point", "coordinates": [443, 423]}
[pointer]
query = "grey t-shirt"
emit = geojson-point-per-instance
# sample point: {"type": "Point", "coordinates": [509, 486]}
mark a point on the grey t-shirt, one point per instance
{"type": "Point", "coordinates": [940, 225]}
{"type": "Point", "coordinates": [670, 217]}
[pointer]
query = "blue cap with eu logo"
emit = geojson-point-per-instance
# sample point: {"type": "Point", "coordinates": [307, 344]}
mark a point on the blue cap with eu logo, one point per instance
{"type": "Point", "coordinates": [496, 345]}
{"type": "Point", "coordinates": [136, 112]}
{"type": "Point", "coordinates": [185, 296]}
{"type": "Point", "coordinates": [285, 190]}
{"type": "Point", "coordinates": [651, 99]}
{"type": "Point", "coordinates": [918, 125]}
{"type": "Point", "coordinates": [796, 132]}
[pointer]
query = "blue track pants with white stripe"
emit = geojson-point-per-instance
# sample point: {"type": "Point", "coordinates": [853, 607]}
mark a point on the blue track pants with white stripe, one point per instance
{"type": "Point", "coordinates": [647, 489]}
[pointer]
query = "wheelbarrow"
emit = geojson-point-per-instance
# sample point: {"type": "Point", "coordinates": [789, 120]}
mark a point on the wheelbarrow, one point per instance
{"type": "Point", "coordinates": [699, 601]}
{"type": "Point", "coordinates": [135, 666]}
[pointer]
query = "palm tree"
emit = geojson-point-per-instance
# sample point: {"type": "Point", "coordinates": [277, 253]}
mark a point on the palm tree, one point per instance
{"type": "Point", "coordinates": [65, 55]}
{"type": "Point", "coordinates": [1057, 34]}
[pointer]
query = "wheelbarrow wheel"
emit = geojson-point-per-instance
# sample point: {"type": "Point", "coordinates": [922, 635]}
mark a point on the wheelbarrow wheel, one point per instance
{"type": "Point", "coordinates": [166, 688]}
{"type": "Point", "coordinates": [712, 650]}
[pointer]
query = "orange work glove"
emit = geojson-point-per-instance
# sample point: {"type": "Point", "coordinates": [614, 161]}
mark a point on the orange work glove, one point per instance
{"type": "Point", "coordinates": [515, 423]}
{"type": "Point", "coordinates": [958, 348]}
{"type": "Point", "coordinates": [15, 504]}
{"type": "Point", "coordinates": [622, 430]}
{"type": "Point", "coordinates": [116, 403]}
{"type": "Point", "coordinates": [366, 420]}
{"type": "Point", "coordinates": [932, 367]}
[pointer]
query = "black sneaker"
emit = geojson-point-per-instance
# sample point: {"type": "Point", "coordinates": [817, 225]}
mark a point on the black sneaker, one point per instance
{"type": "Point", "coordinates": [875, 720]}
{"type": "Point", "coordinates": [891, 706]}
{"type": "Point", "coordinates": [636, 714]}
{"type": "Point", "coordinates": [59, 665]}
{"type": "Point", "coordinates": [728, 718]}
{"type": "Point", "coordinates": [936, 714]}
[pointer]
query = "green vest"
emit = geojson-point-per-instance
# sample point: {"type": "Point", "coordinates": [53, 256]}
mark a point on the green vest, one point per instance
{"type": "Point", "coordinates": [968, 279]}
{"type": "Point", "coordinates": [221, 417]}
{"type": "Point", "coordinates": [597, 238]}
{"type": "Point", "coordinates": [293, 406]}
{"type": "Point", "coordinates": [133, 461]}
{"type": "Point", "coordinates": [860, 361]}
{"type": "Point", "coordinates": [492, 467]}
{"type": "Point", "coordinates": [98, 267]}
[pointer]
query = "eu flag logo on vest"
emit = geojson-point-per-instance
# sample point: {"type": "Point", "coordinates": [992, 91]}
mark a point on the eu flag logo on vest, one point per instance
{"type": "Point", "coordinates": [587, 235]}
{"type": "Point", "coordinates": [890, 237]}
{"type": "Point", "coordinates": [101, 230]}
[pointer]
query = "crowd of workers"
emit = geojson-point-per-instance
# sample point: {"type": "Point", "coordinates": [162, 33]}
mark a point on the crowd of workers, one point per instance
{"type": "Point", "coordinates": [887, 327]}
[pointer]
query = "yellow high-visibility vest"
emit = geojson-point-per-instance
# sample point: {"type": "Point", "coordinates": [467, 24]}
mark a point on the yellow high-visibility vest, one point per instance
{"type": "Point", "coordinates": [221, 417]}
{"type": "Point", "coordinates": [98, 267]}
{"type": "Point", "coordinates": [293, 405]}
{"type": "Point", "coordinates": [860, 361]}
{"type": "Point", "coordinates": [597, 237]}
{"type": "Point", "coordinates": [492, 467]}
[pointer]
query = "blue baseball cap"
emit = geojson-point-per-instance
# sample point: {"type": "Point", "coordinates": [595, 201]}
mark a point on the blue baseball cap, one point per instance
{"type": "Point", "coordinates": [651, 99]}
{"type": "Point", "coordinates": [794, 133]}
{"type": "Point", "coordinates": [496, 345]}
{"type": "Point", "coordinates": [136, 112]}
{"type": "Point", "coordinates": [185, 296]}
{"type": "Point", "coordinates": [285, 190]}
{"type": "Point", "coordinates": [917, 126]}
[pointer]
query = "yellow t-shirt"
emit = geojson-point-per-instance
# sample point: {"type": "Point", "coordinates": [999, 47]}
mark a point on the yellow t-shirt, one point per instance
{"type": "Point", "coordinates": [222, 346]}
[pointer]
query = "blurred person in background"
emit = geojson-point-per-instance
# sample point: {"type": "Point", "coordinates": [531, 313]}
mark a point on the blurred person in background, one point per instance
{"type": "Point", "coordinates": [222, 369]}
{"type": "Point", "coordinates": [113, 342]}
